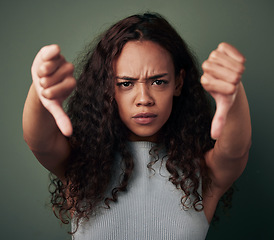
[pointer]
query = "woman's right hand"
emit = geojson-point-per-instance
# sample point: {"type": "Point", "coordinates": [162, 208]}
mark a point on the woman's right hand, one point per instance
{"type": "Point", "coordinates": [53, 80]}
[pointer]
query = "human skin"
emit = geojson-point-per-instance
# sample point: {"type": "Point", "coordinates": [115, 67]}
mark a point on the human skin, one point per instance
{"type": "Point", "coordinates": [231, 125]}
{"type": "Point", "coordinates": [145, 87]}
{"type": "Point", "coordinates": [45, 123]}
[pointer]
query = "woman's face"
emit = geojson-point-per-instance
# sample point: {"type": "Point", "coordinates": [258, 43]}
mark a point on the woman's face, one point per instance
{"type": "Point", "coordinates": [144, 88]}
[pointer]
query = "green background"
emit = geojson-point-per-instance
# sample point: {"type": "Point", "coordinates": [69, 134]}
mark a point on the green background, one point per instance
{"type": "Point", "coordinates": [26, 26]}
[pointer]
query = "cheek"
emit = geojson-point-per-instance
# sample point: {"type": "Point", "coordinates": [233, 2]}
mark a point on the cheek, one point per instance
{"type": "Point", "coordinates": [166, 104]}
{"type": "Point", "coordinates": [124, 103]}
{"type": "Point", "coordinates": [122, 108]}
{"type": "Point", "coordinates": [169, 104]}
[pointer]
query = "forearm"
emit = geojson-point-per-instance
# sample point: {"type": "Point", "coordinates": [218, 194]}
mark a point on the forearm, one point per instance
{"type": "Point", "coordinates": [235, 139]}
{"type": "Point", "coordinates": [43, 137]}
{"type": "Point", "coordinates": [39, 127]}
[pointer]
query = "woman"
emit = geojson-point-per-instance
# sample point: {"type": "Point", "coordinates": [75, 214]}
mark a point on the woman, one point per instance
{"type": "Point", "coordinates": [133, 154]}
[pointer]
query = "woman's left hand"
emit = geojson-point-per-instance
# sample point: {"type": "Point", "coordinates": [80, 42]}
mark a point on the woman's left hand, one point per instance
{"type": "Point", "coordinates": [222, 76]}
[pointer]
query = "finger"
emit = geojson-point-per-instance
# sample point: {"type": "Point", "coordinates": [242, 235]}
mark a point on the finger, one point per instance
{"type": "Point", "coordinates": [65, 70]}
{"type": "Point", "coordinates": [50, 67]}
{"type": "Point", "coordinates": [45, 54]}
{"type": "Point", "coordinates": [231, 51]}
{"type": "Point", "coordinates": [219, 119]}
{"type": "Point", "coordinates": [50, 52]}
{"type": "Point", "coordinates": [211, 84]}
{"type": "Point", "coordinates": [61, 90]}
{"type": "Point", "coordinates": [223, 59]}
{"type": "Point", "coordinates": [62, 120]}
{"type": "Point", "coordinates": [223, 105]}
{"type": "Point", "coordinates": [221, 72]}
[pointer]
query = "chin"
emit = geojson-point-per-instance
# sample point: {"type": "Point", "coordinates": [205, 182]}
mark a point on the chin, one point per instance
{"type": "Point", "coordinates": [153, 137]}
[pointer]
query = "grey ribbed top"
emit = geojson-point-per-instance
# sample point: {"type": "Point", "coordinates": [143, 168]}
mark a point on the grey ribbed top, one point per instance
{"type": "Point", "coordinates": [150, 209]}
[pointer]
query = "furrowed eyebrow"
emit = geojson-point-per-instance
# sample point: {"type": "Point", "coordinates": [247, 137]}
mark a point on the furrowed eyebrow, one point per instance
{"type": "Point", "coordinates": [157, 76]}
{"type": "Point", "coordinates": [126, 78]}
{"type": "Point", "coordinates": [135, 79]}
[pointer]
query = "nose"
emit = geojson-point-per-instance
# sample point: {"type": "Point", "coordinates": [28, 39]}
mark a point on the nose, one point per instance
{"type": "Point", "coordinates": [143, 96]}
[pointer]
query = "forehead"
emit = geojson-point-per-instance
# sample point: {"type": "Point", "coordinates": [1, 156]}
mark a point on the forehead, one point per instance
{"type": "Point", "coordinates": [143, 57]}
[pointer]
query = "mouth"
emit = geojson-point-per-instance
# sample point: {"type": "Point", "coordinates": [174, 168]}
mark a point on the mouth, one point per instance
{"type": "Point", "coordinates": [144, 118]}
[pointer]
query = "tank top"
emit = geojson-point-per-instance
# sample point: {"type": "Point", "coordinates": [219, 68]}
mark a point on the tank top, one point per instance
{"type": "Point", "coordinates": [150, 209]}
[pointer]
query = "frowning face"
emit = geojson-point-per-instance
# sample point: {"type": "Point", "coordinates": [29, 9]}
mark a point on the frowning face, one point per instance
{"type": "Point", "coordinates": [144, 88]}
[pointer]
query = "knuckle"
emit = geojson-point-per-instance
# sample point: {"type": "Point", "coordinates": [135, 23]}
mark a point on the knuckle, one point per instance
{"type": "Point", "coordinates": [71, 83]}
{"type": "Point", "coordinates": [236, 78]}
{"type": "Point", "coordinates": [206, 83]}
{"type": "Point", "coordinates": [204, 80]}
{"type": "Point", "coordinates": [231, 90]}
{"type": "Point", "coordinates": [53, 48]}
{"type": "Point", "coordinates": [241, 68]}
{"type": "Point", "coordinates": [43, 83]}
{"type": "Point", "coordinates": [222, 45]}
{"type": "Point", "coordinates": [205, 65]}
{"type": "Point", "coordinates": [47, 82]}
{"type": "Point", "coordinates": [69, 67]}
{"type": "Point", "coordinates": [62, 59]}
{"type": "Point", "coordinates": [213, 54]}
{"type": "Point", "coordinates": [43, 49]}
{"type": "Point", "coordinates": [49, 94]}
{"type": "Point", "coordinates": [38, 71]}
{"type": "Point", "coordinates": [45, 68]}
{"type": "Point", "coordinates": [50, 51]}
{"type": "Point", "coordinates": [56, 47]}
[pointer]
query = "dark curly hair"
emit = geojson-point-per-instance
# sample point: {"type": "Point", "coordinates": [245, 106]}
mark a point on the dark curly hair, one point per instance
{"type": "Point", "coordinates": [98, 132]}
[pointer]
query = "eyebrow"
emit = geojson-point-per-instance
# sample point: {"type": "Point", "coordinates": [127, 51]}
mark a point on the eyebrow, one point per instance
{"type": "Point", "coordinates": [135, 79]}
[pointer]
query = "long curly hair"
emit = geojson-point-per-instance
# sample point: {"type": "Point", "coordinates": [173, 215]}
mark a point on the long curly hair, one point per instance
{"type": "Point", "coordinates": [99, 133]}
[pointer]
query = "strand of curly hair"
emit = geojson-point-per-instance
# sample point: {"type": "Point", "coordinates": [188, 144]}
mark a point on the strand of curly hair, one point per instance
{"type": "Point", "coordinates": [99, 133]}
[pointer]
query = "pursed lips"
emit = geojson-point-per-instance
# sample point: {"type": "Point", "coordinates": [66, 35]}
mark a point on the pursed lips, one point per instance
{"type": "Point", "coordinates": [145, 115]}
{"type": "Point", "coordinates": [144, 118]}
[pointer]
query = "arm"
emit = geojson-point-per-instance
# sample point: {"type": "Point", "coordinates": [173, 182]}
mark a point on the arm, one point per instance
{"type": "Point", "coordinates": [44, 120]}
{"type": "Point", "coordinates": [231, 125]}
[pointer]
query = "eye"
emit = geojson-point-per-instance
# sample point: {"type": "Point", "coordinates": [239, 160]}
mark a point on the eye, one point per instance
{"type": "Point", "coordinates": [159, 82]}
{"type": "Point", "coordinates": [124, 84]}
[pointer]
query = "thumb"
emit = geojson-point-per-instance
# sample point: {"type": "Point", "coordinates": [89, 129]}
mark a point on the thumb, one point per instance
{"type": "Point", "coordinates": [223, 105]}
{"type": "Point", "coordinates": [61, 118]}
